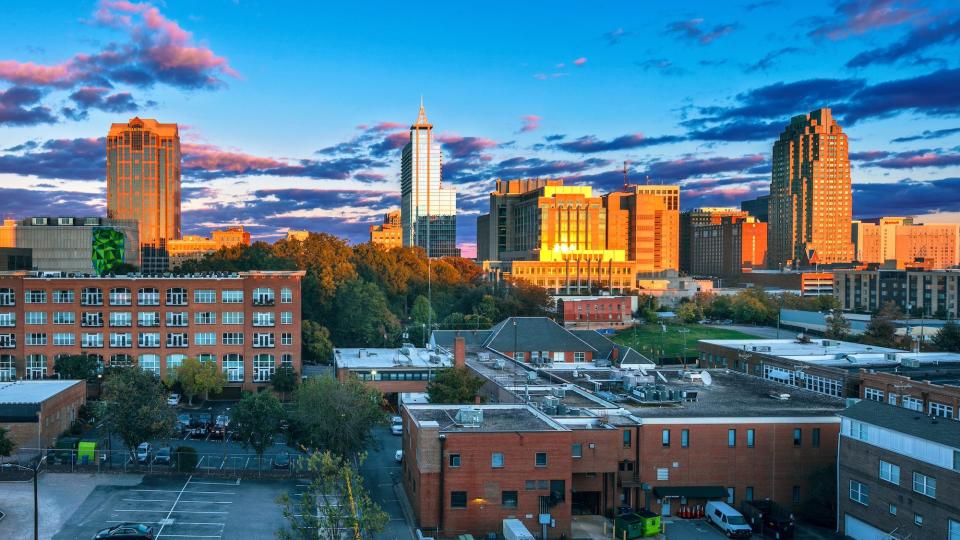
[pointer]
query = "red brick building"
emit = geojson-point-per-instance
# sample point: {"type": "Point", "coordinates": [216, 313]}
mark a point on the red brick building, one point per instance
{"type": "Point", "coordinates": [247, 322]}
{"type": "Point", "coordinates": [395, 371]}
{"type": "Point", "coordinates": [595, 312]}
{"type": "Point", "coordinates": [36, 412]}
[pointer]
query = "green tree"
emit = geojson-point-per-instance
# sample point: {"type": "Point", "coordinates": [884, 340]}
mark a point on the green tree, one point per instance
{"type": "Point", "coordinates": [284, 379]}
{"type": "Point", "coordinates": [258, 417]}
{"type": "Point", "coordinates": [455, 385]}
{"type": "Point", "coordinates": [689, 312]}
{"type": "Point", "coordinates": [185, 458]}
{"type": "Point", "coordinates": [317, 347]}
{"type": "Point", "coordinates": [948, 337]}
{"type": "Point", "coordinates": [838, 327]}
{"type": "Point", "coordinates": [337, 416]}
{"type": "Point", "coordinates": [881, 329]}
{"type": "Point", "coordinates": [135, 407]}
{"type": "Point", "coordinates": [6, 444]}
{"type": "Point", "coordinates": [76, 366]}
{"type": "Point", "coordinates": [336, 504]}
{"type": "Point", "coordinates": [363, 317]}
{"type": "Point", "coordinates": [200, 378]}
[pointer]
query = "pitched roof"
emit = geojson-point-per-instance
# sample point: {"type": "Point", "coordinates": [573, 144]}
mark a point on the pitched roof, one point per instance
{"type": "Point", "coordinates": [598, 341]}
{"type": "Point", "coordinates": [906, 421]}
{"type": "Point", "coordinates": [472, 338]}
{"type": "Point", "coordinates": [526, 334]}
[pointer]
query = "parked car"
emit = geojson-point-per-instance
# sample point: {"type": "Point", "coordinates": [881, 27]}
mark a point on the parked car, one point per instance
{"type": "Point", "coordinates": [127, 531]}
{"type": "Point", "coordinates": [183, 423]}
{"type": "Point", "coordinates": [396, 420]}
{"type": "Point", "coordinates": [162, 457]}
{"type": "Point", "coordinates": [198, 428]}
{"type": "Point", "coordinates": [396, 429]}
{"type": "Point", "coordinates": [173, 399]}
{"type": "Point", "coordinates": [398, 456]}
{"type": "Point", "coordinates": [281, 461]}
{"type": "Point", "coordinates": [219, 429]}
{"type": "Point", "coordinates": [144, 451]}
{"type": "Point", "coordinates": [731, 522]}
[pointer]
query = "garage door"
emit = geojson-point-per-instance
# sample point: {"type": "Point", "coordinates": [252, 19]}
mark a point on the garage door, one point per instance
{"type": "Point", "coordinates": [859, 530]}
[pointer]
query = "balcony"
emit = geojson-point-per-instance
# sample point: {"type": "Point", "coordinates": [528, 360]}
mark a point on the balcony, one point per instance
{"type": "Point", "coordinates": [264, 302]}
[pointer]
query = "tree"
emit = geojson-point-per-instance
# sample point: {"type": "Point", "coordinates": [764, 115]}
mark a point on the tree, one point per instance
{"type": "Point", "coordinates": [6, 444]}
{"type": "Point", "coordinates": [838, 327]}
{"type": "Point", "coordinates": [284, 380]}
{"type": "Point", "coordinates": [363, 318]}
{"type": "Point", "coordinates": [258, 418]}
{"type": "Point", "coordinates": [881, 330]}
{"type": "Point", "coordinates": [196, 377]}
{"type": "Point", "coordinates": [337, 416]}
{"type": "Point", "coordinates": [689, 312]}
{"type": "Point", "coordinates": [317, 347]}
{"type": "Point", "coordinates": [336, 501]}
{"type": "Point", "coordinates": [76, 366]}
{"type": "Point", "coordinates": [455, 385]}
{"type": "Point", "coordinates": [136, 406]}
{"type": "Point", "coordinates": [948, 337]}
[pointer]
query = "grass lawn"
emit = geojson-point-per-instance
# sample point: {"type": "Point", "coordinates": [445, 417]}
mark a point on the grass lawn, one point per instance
{"type": "Point", "coordinates": [648, 338]}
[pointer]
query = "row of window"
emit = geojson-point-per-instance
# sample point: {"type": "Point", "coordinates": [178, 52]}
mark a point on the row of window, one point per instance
{"type": "Point", "coordinates": [860, 493]}
{"type": "Point", "coordinates": [922, 484]}
{"type": "Point", "coordinates": [146, 318]}
{"type": "Point", "coordinates": [147, 296]}
{"type": "Point", "coordinates": [909, 402]}
{"type": "Point", "coordinates": [147, 339]}
{"type": "Point", "coordinates": [509, 498]}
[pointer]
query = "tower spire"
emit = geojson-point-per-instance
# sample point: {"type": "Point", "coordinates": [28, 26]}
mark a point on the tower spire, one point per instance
{"type": "Point", "coordinates": [422, 116]}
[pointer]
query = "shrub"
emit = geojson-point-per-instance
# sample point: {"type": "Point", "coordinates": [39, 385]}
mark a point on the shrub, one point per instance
{"type": "Point", "coordinates": [185, 458]}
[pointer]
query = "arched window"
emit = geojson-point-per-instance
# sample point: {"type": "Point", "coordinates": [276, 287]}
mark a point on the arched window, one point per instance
{"type": "Point", "coordinates": [150, 362]}
{"type": "Point", "coordinates": [121, 360]}
{"type": "Point", "coordinates": [174, 361]}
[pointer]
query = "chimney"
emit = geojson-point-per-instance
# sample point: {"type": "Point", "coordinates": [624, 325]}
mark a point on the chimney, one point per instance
{"type": "Point", "coordinates": [615, 354]}
{"type": "Point", "coordinates": [459, 352]}
{"type": "Point", "coordinates": [477, 400]}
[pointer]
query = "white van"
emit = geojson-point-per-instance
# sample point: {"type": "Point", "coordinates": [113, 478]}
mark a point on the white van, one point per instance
{"type": "Point", "coordinates": [731, 522]}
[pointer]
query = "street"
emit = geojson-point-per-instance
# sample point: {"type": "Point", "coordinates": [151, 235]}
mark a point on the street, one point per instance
{"type": "Point", "coordinates": [381, 473]}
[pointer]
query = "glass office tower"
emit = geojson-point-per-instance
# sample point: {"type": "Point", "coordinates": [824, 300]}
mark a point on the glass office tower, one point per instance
{"type": "Point", "coordinates": [428, 208]}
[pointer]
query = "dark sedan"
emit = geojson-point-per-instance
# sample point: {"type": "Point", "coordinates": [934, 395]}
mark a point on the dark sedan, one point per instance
{"type": "Point", "coordinates": [127, 531]}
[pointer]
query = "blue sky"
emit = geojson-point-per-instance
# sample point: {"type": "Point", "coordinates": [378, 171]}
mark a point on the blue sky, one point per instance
{"type": "Point", "coordinates": [293, 113]}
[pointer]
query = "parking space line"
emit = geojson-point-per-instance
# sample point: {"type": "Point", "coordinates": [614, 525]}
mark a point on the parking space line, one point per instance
{"type": "Point", "coordinates": [164, 524]}
{"type": "Point", "coordinates": [145, 500]}
{"type": "Point", "coordinates": [188, 491]}
{"type": "Point", "coordinates": [199, 463]}
{"type": "Point", "coordinates": [207, 502]}
{"type": "Point", "coordinates": [188, 536]}
{"type": "Point", "coordinates": [177, 523]}
{"type": "Point", "coordinates": [237, 483]}
{"type": "Point", "coordinates": [174, 511]}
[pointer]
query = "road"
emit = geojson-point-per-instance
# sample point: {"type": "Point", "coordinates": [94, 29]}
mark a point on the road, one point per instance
{"type": "Point", "coordinates": [381, 473]}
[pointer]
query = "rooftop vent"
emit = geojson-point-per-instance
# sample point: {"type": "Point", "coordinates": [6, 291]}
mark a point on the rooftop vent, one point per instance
{"type": "Point", "coordinates": [559, 391]}
{"type": "Point", "coordinates": [470, 417]}
{"type": "Point", "coordinates": [910, 362]}
{"type": "Point", "coordinates": [780, 396]}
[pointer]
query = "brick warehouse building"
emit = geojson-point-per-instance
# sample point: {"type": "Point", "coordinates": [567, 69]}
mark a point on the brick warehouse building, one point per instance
{"type": "Point", "coordinates": [37, 412]}
{"type": "Point", "coordinates": [247, 322]}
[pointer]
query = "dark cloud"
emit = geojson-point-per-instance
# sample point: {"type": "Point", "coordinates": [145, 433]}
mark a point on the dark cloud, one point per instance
{"type": "Point", "coordinates": [520, 167]}
{"type": "Point", "coordinates": [18, 107]}
{"type": "Point", "coordinates": [855, 17]}
{"type": "Point", "coordinates": [614, 37]}
{"type": "Point", "coordinates": [21, 203]}
{"type": "Point", "coordinates": [67, 159]}
{"type": "Point", "coordinates": [933, 94]}
{"type": "Point", "coordinates": [458, 147]}
{"type": "Point", "coordinates": [739, 131]}
{"type": "Point", "coordinates": [687, 167]}
{"type": "Point", "coordinates": [770, 58]}
{"type": "Point", "coordinates": [589, 144]}
{"type": "Point", "coordinates": [927, 134]}
{"type": "Point", "coordinates": [694, 30]}
{"type": "Point", "coordinates": [917, 40]}
{"type": "Point", "coordinates": [906, 197]}
{"type": "Point", "coordinates": [936, 158]}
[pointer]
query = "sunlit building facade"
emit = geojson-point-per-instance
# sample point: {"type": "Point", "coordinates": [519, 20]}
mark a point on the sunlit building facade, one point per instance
{"type": "Point", "coordinates": [143, 183]}
{"type": "Point", "coordinates": [810, 194]}
{"type": "Point", "coordinates": [428, 208]}
{"type": "Point", "coordinates": [194, 247]}
{"type": "Point", "coordinates": [898, 242]}
{"type": "Point", "coordinates": [699, 217]}
{"type": "Point", "coordinates": [644, 222]}
{"type": "Point", "coordinates": [388, 234]}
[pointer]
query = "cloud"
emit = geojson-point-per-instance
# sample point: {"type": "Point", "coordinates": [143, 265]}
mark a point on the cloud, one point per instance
{"type": "Point", "coordinates": [387, 126]}
{"type": "Point", "coordinates": [389, 144]}
{"type": "Point", "coordinates": [18, 107]}
{"type": "Point", "coordinates": [580, 61]}
{"type": "Point", "coordinates": [65, 159]}
{"type": "Point", "coordinates": [937, 158]}
{"type": "Point", "coordinates": [214, 161]}
{"type": "Point", "coordinates": [531, 122]}
{"type": "Point", "coordinates": [663, 65]}
{"type": "Point", "coordinates": [92, 97]}
{"type": "Point", "coordinates": [521, 167]}
{"type": "Point", "coordinates": [686, 167]}
{"type": "Point", "coordinates": [933, 94]}
{"type": "Point", "coordinates": [855, 17]}
{"type": "Point", "coordinates": [589, 144]}
{"type": "Point", "coordinates": [45, 202]}
{"type": "Point", "coordinates": [459, 147]}
{"type": "Point", "coordinates": [918, 39]}
{"type": "Point", "coordinates": [614, 37]}
{"type": "Point", "coordinates": [692, 29]}
{"type": "Point", "coordinates": [927, 134]}
{"type": "Point", "coordinates": [768, 59]}
{"type": "Point", "coordinates": [906, 197]}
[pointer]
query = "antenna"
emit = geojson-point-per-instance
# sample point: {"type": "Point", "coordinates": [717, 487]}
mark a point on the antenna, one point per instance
{"type": "Point", "coordinates": [625, 182]}
{"type": "Point", "coordinates": [648, 179]}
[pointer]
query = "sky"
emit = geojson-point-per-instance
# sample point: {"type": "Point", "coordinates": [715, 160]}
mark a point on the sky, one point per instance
{"type": "Point", "coordinates": [292, 114]}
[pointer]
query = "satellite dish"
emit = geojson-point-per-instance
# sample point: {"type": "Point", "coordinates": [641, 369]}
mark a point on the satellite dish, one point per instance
{"type": "Point", "coordinates": [706, 378]}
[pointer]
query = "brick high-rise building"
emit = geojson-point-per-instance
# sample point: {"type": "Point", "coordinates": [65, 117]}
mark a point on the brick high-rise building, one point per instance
{"type": "Point", "coordinates": [644, 221]}
{"type": "Point", "coordinates": [143, 183]}
{"type": "Point", "coordinates": [898, 242]}
{"type": "Point", "coordinates": [726, 249]}
{"type": "Point", "coordinates": [389, 233]}
{"type": "Point", "coordinates": [810, 193]}
{"type": "Point", "coordinates": [699, 217]}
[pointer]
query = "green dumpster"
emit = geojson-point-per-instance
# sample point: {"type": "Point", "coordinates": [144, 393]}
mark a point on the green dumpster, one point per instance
{"type": "Point", "coordinates": [640, 524]}
{"type": "Point", "coordinates": [86, 452]}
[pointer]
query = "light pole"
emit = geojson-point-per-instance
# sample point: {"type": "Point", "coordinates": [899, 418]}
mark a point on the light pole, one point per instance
{"type": "Point", "coordinates": [36, 504]}
{"type": "Point", "coordinates": [684, 332]}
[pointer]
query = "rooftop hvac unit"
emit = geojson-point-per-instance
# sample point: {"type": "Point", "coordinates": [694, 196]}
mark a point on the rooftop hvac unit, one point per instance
{"type": "Point", "coordinates": [531, 375]}
{"type": "Point", "coordinates": [434, 359]}
{"type": "Point", "coordinates": [910, 362]}
{"type": "Point", "coordinates": [483, 356]}
{"type": "Point", "coordinates": [559, 391]}
{"type": "Point", "coordinates": [551, 401]}
{"type": "Point", "coordinates": [563, 409]}
{"type": "Point", "coordinates": [470, 417]}
{"type": "Point", "coordinates": [780, 396]}
{"type": "Point", "coordinates": [499, 363]}
{"type": "Point", "coordinates": [890, 357]}
{"type": "Point", "coordinates": [548, 409]}
{"type": "Point", "coordinates": [761, 348]}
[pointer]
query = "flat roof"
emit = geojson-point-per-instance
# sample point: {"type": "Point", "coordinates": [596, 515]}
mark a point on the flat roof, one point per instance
{"type": "Point", "coordinates": [32, 392]}
{"type": "Point", "coordinates": [913, 423]}
{"type": "Point", "coordinates": [496, 418]}
{"type": "Point", "coordinates": [48, 275]}
{"type": "Point", "coordinates": [393, 358]}
{"type": "Point", "coordinates": [792, 347]}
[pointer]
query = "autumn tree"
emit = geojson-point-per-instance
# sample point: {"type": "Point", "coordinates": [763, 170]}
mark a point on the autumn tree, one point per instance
{"type": "Point", "coordinates": [363, 317]}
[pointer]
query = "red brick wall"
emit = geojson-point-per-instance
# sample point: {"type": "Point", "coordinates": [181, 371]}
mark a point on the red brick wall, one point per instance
{"type": "Point", "coordinates": [56, 415]}
{"type": "Point", "coordinates": [609, 309]}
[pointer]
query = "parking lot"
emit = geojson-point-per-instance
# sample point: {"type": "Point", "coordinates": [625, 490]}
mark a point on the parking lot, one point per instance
{"type": "Point", "coordinates": [185, 507]}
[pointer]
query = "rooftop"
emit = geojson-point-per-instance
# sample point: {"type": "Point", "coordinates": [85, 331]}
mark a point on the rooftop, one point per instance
{"type": "Point", "coordinates": [402, 357]}
{"type": "Point", "coordinates": [39, 274]}
{"type": "Point", "coordinates": [811, 348]}
{"type": "Point", "coordinates": [495, 418]}
{"type": "Point", "coordinates": [906, 421]}
{"type": "Point", "coordinates": [32, 392]}
{"type": "Point", "coordinates": [534, 334]}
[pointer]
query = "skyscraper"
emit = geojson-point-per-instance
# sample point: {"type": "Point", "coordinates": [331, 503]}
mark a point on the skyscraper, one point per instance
{"type": "Point", "coordinates": [143, 183]}
{"type": "Point", "coordinates": [644, 221]}
{"type": "Point", "coordinates": [810, 193]}
{"type": "Point", "coordinates": [428, 208]}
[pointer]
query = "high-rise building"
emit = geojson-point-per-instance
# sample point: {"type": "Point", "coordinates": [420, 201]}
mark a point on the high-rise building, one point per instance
{"type": "Point", "coordinates": [428, 208]}
{"type": "Point", "coordinates": [644, 221]}
{"type": "Point", "coordinates": [193, 247]}
{"type": "Point", "coordinates": [389, 233]}
{"type": "Point", "coordinates": [810, 194]}
{"type": "Point", "coordinates": [697, 218]}
{"type": "Point", "coordinates": [83, 245]}
{"type": "Point", "coordinates": [726, 249]}
{"type": "Point", "coordinates": [143, 183]}
{"type": "Point", "coordinates": [898, 242]}
{"type": "Point", "coordinates": [758, 208]}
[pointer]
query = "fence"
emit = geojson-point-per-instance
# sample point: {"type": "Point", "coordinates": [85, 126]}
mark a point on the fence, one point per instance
{"type": "Point", "coordinates": [233, 465]}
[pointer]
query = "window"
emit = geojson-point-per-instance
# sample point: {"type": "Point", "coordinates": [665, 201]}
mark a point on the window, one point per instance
{"type": "Point", "coordinates": [858, 430]}
{"type": "Point", "coordinates": [519, 356]}
{"type": "Point", "coordinates": [263, 296]}
{"type": "Point", "coordinates": [8, 341]}
{"type": "Point", "coordinates": [205, 338]}
{"type": "Point", "coordinates": [91, 296]}
{"type": "Point", "coordinates": [454, 460]}
{"type": "Point", "coordinates": [889, 472]}
{"type": "Point", "coordinates": [36, 317]}
{"type": "Point", "coordinates": [530, 485]}
{"type": "Point", "coordinates": [148, 296]}
{"type": "Point", "coordinates": [859, 493]}
{"type": "Point", "coordinates": [120, 296]}
{"type": "Point", "coordinates": [286, 338]}
{"type": "Point", "coordinates": [231, 297]}
{"type": "Point", "coordinates": [953, 530]}
{"type": "Point", "coordinates": [150, 362]}
{"type": "Point", "coordinates": [540, 459]}
{"type": "Point", "coordinates": [731, 438]}
{"type": "Point", "coordinates": [232, 317]}
{"type": "Point", "coordinates": [91, 318]}
{"type": "Point", "coordinates": [458, 499]}
{"type": "Point", "coordinates": [148, 339]}
{"type": "Point", "coordinates": [177, 318]}
{"type": "Point", "coordinates": [286, 317]}
{"type": "Point", "coordinates": [34, 297]}
{"type": "Point", "coordinates": [815, 437]}
{"type": "Point", "coordinates": [577, 450]}
{"type": "Point", "coordinates": [286, 360]}
{"type": "Point", "coordinates": [36, 366]}
{"type": "Point", "coordinates": [663, 473]}
{"type": "Point", "coordinates": [751, 438]}
{"type": "Point", "coordinates": [748, 496]}
{"type": "Point", "coordinates": [797, 437]}
{"type": "Point", "coordinates": [178, 340]}
{"type": "Point", "coordinates": [121, 339]}
{"type": "Point", "coordinates": [63, 296]}
{"type": "Point", "coordinates": [892, 509]}
{"type": "Point", "coordinates": [956, 460]}
{"type": "Point", "coordinates": [148, 318]}
{"type": "Point", "coordinates": [174, 361]}
{"type": "Point", "coordinates": [626, 438]}
{"type": "Point", "coordinates": [204, 296]}
{"type": "Point", "coordinates": [8, 319]}
{"type": "Point", "coordinates": [176, 296]}
{"type": "Point", "coordinates": [731, 495]}
{"type": "Point", "coordinates": [665, 438]}
{"type": "Point", "coordinates": [286, 296]}
{"type": "Point", "coordinates": [925, 485]}
{"type": "Point", "coordinates": [232, 338]}
{"type": "Point", "coordinates": [64, 339]}
{"type": "Point", "coordinates": [684, 438]}
{"type": "Point", "coordinates": [912, 403]}
{"type": "Point", "coordinates": [263, 318]}
{"type": "Point", "coordinates": [205, 317]}
{"type": "Point", "coordinates": [7, 297]}
{"type": "Point", "coordinates": [264, 366]}
{"type": "Point", "coordinates": [558, 490]}
{"type": "Point", "coordinates": [939, 409]}
{"type": "Point", "coordinates": [263, 340]}
{"type": "Point", "coordinates": [233, 367]}
{"type": "Point", "coordinates": [121, 318]}
{"type": "Point", "coordinates": [579, 356]}
{"type": "Point", "coordinates": [36, 338]}
{"type": "Point", "coordinates": [508, 499]}
{"type": "Point", "coordinates": [796, 494]}
{"type": "Point", "coordinates": [918, 520]}
{"type": "Point", "coordinates": [496, 460]}
{"type": "Point", "coordinates": [873, 394]}
{"type": "Point", "coordinates": [91, 340]}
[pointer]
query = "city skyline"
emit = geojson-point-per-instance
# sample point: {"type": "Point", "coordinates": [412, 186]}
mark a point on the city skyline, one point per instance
{"type": "Point", "coordinates": [686, 97]}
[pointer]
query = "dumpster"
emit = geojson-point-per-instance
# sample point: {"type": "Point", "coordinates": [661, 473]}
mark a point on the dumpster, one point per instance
{"type": "Point", "coordinates": [640, 524]}
{"type": "Point", "coordinates": [86, 452]}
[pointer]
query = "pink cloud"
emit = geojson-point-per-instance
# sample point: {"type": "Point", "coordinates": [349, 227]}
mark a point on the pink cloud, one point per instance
{"type": "Point", "coordinates": [387, 126]}
{"type": "Point", "coordinates": [580, 61]}
{"type": "Point", "coordinates": [36, 74]}
{"type": "Point", "coordinates": [209, 157]}
{"type": "Point", "coordinates": [531, 122]}
{"type": "Point", "coordinates": [859, 17]}
{"type": "Point", "coordinates": [461, 147]}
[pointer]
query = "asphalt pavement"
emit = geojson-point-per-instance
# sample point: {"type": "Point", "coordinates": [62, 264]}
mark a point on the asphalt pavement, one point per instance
{"type": "Point", "coordinates": [381, 473]}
